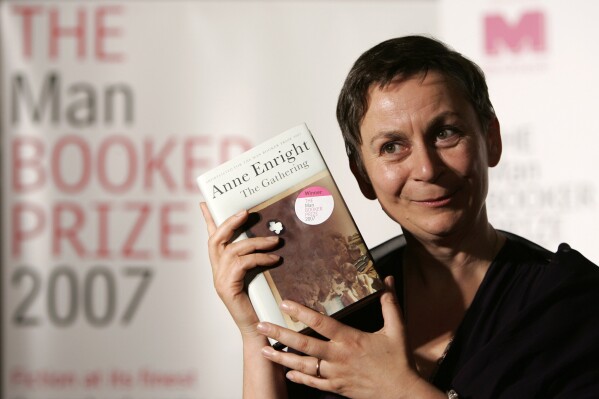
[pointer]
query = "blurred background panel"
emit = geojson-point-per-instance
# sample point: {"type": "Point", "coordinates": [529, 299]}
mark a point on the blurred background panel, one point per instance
{"type": "Point", "coordinates": [539, 59]}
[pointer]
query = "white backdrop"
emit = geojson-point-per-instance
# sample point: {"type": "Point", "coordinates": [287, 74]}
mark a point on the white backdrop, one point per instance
{"type": "Point", "coordinates": [110, 110]}
{"type": "Point", "coordinates": [541, 65]}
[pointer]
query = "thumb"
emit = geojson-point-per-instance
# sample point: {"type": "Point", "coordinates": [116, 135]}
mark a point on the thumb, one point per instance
{"type": "Point", "coordinates": [392, 314]}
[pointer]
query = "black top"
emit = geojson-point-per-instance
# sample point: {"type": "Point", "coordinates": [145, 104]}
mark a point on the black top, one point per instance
{"type": "Point", "coordinates": [532, 330]}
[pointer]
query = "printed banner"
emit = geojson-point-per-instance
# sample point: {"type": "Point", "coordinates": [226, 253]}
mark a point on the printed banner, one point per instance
{"type": "Point", "coordinates": [109, 112]}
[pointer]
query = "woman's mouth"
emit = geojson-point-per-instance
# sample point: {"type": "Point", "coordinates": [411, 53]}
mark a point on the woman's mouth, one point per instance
{"type": "Point", "coordinates": [435, 202]}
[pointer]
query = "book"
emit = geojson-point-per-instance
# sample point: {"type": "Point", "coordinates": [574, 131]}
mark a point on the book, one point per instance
{"type": "Point", "coordinates": [288, 189]}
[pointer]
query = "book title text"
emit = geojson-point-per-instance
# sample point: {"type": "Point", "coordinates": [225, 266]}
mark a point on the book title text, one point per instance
{"type": "Point", "coordinates": [259, 168]}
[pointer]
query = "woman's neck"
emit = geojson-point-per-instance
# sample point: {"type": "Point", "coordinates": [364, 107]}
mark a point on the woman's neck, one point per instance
{"type": "Point", "coordinates": [463, 256]}
{"type": "Point", "coordinates": [439, 286]}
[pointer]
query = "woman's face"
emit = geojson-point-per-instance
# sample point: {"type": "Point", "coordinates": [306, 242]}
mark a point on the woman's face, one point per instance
{"type": "Point", "coordinates": [427, 157]}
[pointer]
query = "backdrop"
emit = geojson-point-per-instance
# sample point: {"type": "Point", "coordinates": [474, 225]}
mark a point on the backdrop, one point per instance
{"type": "Point", "coordinates": [111, 109]}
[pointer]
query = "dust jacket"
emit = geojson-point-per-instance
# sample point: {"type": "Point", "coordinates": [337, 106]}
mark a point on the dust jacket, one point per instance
{"type": "Point", "coordinates": [286, 186]}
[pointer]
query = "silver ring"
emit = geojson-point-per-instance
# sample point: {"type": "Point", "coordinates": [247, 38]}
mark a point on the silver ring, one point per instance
{"type": "Point", "coordinates": [318, 368]}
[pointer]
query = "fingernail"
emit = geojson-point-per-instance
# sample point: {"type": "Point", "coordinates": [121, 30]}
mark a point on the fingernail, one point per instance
{"type": "Point", "coordinates": [268, 352]}
{"type": "Point", "coordinates": [273, 256]}
{"type": "Point", "coordinates": [290, 376]}
{"type": "Point", "coordinates": [240, 213]}
{"type": "Point", "coordinates": [272, 238]}
{"type": "Point", "coordinates": [286, 306]}
{"type": "Point", "coordinates": [262, 327]}
{"type": "Point", "coordinates": [390, 283]}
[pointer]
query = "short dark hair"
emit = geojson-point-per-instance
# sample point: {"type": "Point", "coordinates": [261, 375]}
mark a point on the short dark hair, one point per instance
{"type": "Point", "coordinates": [405, 56]}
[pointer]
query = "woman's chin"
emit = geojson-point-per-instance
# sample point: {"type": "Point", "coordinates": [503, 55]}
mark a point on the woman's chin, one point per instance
{"type": "Point", "coordinates": [433, 230]}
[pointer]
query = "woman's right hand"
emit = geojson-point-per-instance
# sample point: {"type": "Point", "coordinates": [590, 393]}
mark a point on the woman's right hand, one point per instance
{"type": "Point", "coordinates": [230, 263]}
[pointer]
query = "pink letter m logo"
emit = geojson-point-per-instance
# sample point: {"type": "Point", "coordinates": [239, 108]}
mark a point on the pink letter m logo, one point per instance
{"type": "Point", "coordinates": [528, 32]}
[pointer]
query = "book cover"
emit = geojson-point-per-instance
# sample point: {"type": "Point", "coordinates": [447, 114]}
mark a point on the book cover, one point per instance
{"type": "Point", "coordinates": [286, 186]}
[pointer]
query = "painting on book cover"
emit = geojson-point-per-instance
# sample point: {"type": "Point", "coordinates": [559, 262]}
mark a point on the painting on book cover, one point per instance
{"type": "Point", "coordinates": [325, 262]}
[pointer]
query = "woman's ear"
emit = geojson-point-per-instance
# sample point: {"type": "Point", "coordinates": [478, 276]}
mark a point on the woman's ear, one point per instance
{"type": "Point", "coordinates": [494, 146]}
{"type": "Point", "coordinates": [362, 179]}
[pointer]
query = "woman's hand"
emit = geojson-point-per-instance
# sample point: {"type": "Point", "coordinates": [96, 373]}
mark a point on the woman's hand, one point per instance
{"type": "Point", "coordinates": [230, 263]}
{"type": "Point", "coordinates": [353, 363]}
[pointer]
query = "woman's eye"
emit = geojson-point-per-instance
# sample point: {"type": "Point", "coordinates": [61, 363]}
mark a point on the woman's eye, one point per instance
{"type": "Point", "coordinates": [390, 148]}
{"type": "Point", "coordinates": [446, 136]}
{"type": "Point", "coordinates": [445, 133]}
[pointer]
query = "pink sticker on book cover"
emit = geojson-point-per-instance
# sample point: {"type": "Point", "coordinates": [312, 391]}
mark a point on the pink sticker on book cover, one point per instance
{"type": "Point", "coordinates": [314, 205]}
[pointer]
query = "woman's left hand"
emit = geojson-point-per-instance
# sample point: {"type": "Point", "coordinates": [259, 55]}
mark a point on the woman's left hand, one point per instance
{"type": "Point", "coordinates": [352, 363]}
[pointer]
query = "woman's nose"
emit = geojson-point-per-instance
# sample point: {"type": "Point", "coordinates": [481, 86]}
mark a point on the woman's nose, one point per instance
{"type": "Point", "coordinates": [426, 163]}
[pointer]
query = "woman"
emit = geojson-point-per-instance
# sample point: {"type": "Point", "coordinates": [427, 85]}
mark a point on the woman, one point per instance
{"type": "Point", "coordinates": [469, 311]}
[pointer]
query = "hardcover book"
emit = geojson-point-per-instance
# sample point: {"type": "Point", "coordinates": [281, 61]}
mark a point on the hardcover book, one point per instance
{"type": "Point", "coordinates": [286, 186]}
